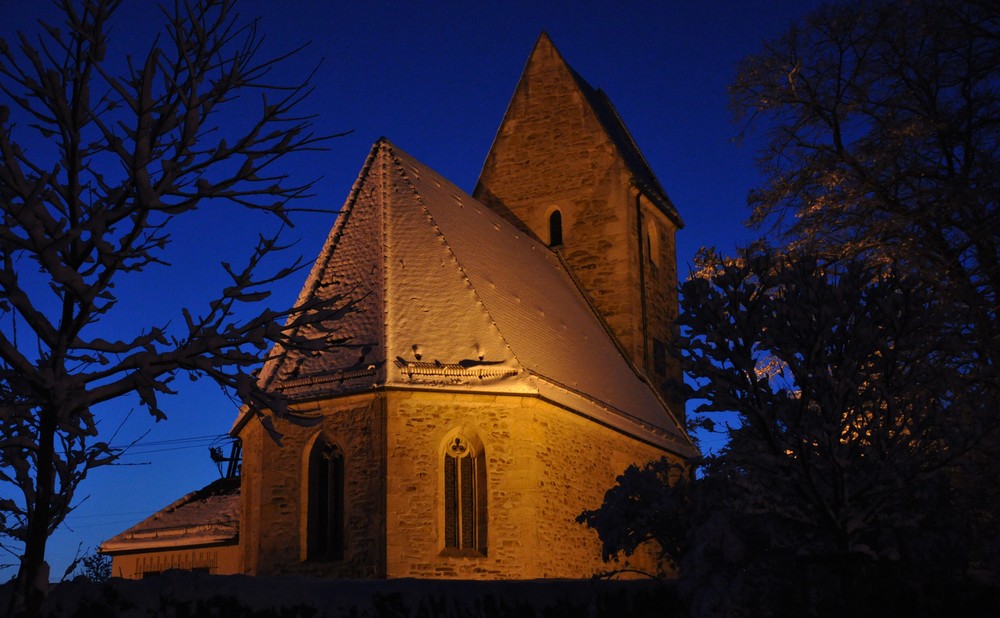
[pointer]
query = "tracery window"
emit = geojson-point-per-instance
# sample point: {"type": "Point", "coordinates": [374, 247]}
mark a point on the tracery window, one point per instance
{"type": "Point", "coordinates": [325, 509]}
{"type": "Point", "coordinates": [464, 496]}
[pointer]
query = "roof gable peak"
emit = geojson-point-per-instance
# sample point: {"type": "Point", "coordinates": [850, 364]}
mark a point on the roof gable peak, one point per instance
{"type": "Point", "coordinates": [546, 74]}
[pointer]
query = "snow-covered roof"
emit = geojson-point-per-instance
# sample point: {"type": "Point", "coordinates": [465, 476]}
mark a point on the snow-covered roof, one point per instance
{"type": "Point", "coordinates": [451, 296]}
{"type": "Point", "coordinates": [209, 516]}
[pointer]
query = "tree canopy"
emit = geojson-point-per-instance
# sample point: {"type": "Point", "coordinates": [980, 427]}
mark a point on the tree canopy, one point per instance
{"type": "Point", "coordinates": [131, 145]}
{"type": "Point", "coordinates": [857, 345]}
{"type": "Point", "coordinates": [884, 124]}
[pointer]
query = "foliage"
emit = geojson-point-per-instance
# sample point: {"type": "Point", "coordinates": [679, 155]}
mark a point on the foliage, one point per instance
{"type": "Point", "coordinates": [844, 386]}
{"type": "Point", "coordinates": [861, 358]}
{"type": "Point", "coordinates": [845, 485]}
{"type": "Point", "coordinates": [884, 120]}
{"type": "Point", "coordinates": [857, 424]}
{"type": "Point", "coordinates": [136, 144]}
{"type": "Point", "coordinates": [648, 503]}
{"type": "Point", "coordinates": [96, 567]}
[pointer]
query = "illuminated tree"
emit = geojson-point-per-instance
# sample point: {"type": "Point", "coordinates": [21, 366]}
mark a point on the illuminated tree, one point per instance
{"type": "Point", "coordinates": [884, 124]}
{"type": "Point", "coordinates": [137, 144]}
{"type": "Point", "coordinates": [856, 426]}
{"type": "Point", "coordinates": [862, 359]}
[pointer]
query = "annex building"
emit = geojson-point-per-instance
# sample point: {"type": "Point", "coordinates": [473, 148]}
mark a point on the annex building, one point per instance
{"type": "Point", "coordinates": [505, 361]}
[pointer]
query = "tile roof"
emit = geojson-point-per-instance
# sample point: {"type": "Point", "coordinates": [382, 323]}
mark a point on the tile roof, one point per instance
{"type": "Point", "coordinates": [208, 516]}
{"type": "Point", "coordinates": [451, 296]}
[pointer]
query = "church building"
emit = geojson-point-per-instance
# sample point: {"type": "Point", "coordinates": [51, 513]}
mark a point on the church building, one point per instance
{"type": "Point", "coordinates": [506, 359]}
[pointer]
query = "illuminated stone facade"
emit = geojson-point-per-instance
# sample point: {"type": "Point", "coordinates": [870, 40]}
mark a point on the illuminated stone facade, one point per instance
{"type": "Point", "coordinates": [533, 363]}
{"type": "Point", "coordinates": [562, 147]}
{"type": "Point", "coordinates": [544, 465]}
{"type": "Point", "coordinates": [505, 359]}
{"type": "Point", "coordinates": [223, 560]}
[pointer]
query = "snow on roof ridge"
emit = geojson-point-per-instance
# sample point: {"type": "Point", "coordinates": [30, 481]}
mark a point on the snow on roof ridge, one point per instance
{"type": "Point", "coordinates": [277, 355]}
{"type": "Point", "coordinates": [622, 393]}
{"type": "Point", "coordinates": [391, 152]}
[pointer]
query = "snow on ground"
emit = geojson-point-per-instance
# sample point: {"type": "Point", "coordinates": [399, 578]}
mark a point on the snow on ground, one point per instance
{"type": "Point", "coordinates": [178, 593]}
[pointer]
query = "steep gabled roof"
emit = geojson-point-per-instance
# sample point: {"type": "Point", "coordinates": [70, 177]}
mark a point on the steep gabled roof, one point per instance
{"type": "Point", "coordinates": [453, 297]}
{"type": "Point", "coordinates": [545, 59]}
{"type": "Point", "coordinates": [209, 516]}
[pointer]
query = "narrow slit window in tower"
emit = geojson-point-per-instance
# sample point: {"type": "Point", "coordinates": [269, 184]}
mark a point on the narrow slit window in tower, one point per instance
{"type": "Point", "coordinates": [555, 229]}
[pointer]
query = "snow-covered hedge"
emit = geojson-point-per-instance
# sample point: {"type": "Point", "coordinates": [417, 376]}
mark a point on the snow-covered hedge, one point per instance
{"type": "Point", "coordinates": [182, 594]}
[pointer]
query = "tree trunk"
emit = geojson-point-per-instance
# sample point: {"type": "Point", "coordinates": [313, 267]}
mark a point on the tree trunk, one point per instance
{"type": "Point", "coordinates": [33, 574]}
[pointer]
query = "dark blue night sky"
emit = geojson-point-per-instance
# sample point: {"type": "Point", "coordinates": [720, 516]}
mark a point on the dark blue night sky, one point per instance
{"type": "Point", "coordinates": [435, 78]}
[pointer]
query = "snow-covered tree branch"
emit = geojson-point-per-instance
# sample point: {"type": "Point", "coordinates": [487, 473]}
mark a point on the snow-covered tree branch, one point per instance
{"type": "Point", "coordinates": [132, 145]}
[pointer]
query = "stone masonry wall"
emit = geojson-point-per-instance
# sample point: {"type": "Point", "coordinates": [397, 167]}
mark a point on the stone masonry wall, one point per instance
{"type": "Point", "coordinates": [545, 465]}
{"type": "Point", "coordinates": [661, 304]}
{"type": "Point", "coordinates": [579, 460]}
{"type": "Point", "coordinates": [222, 560]}
{"type": "Point", "coordinates": [251, 482]}
{"type": "Point", "coordinates": [552, 152]}
{"type": "Point", "coordinates": [274, 515]}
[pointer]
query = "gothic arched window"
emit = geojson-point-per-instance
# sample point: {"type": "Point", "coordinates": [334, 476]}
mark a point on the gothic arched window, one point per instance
{"type": "Point", "coordinates": [555, 229]}
{"type": "Point", "coordinates": [464, 495]}
{"type": "Point", "coordinates": [325, 508]}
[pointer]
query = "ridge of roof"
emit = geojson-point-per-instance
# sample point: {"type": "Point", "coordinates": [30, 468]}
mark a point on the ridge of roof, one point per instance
{"type": "Point", "coordinates": [277, 356]}
{"type": "Point", "coordinates": [538, 308]}
{"type": "Point", "coordinates": [646, 180]}
{"type": "Point", "coordinates": [609, 120]}
{"type": "Point", "coordinates": [216, 525]}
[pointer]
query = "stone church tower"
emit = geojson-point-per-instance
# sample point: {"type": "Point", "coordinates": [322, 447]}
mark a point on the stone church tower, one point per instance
{"type": "Point", "coordinates": [564, 167]}
{"type": "Point", "coordinates": [502, 364]}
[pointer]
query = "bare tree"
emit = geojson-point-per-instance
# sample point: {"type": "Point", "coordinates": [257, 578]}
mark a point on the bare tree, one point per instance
{"type": "Point", "coordinates": [884, 119]}
{"type": "Point", "coordinates": [139, 144]}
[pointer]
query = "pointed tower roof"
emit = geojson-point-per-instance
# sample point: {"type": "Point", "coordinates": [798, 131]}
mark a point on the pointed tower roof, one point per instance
{"type": "Point", "coordinates": [546, 64]}
{"type": "Point", "coordinates": [450, 296]}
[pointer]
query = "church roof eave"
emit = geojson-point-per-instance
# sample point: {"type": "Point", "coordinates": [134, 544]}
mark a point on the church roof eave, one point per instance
{"type": "Point", "coordinates": [462, 298]}
{"type": "Point", "coordinates": [208, 516]}
{"type": "Point", "coordinates": [661, 436]}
